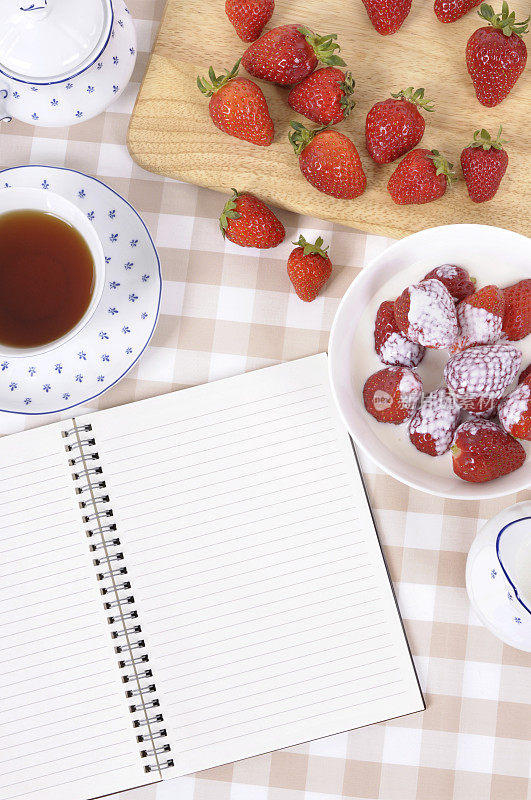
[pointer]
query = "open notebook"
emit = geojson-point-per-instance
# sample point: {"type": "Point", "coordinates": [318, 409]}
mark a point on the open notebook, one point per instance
{"type": "Point", "coordinates": [187, 581]}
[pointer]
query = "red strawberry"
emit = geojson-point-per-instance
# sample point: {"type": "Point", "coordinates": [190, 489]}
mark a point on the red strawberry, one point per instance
{"type": "Point", "coordinates": [396, 125]}
{"type": "Point", "coordinates": [393, 394]}
{"type": "Point", "coordinates": [387, 15]}
{"type": "Point", "coordinates": [391, 344]}
{"type": "Point", "coordinates": [480, 375]}
{"type": "Point", "coordinates": [450, 10]}
{"type": "Point", "coordinates": [496, 55]}
{"type": "Point", "coordinates": [247, 221]}
{"type": "Point", "coordinates": [309, 268]}
{"type": "Point", "coordinates": [432, 428]}
{"type": "Point", "coordinates": [525, 375]}
{"type": "Point", "coordinates": [480, 317]}
{"type": "Point", "coordinates": [482, 451]}
{"type": "Point", "coordinates": [515, 412]}
{"type": "Point", "coordinates": [325, 96]}
{"type": "Point", "coordinates": [288, 54]}
{"type": "Point", "coordinates": [484, 163]}
{"type": "Point", "coordinates": [249, 17]}
{"type": "Point", "coordinates": [517, 319]}
{"type": "Point", "coordinates": [422, 176]}
{"type": "Point", "coordinates": [456, 279]}
{"type": "Point", "coordinates": [238, 107]}
{"type": "Point", "coordinates": [329, 161]}
{"type": "Point", "coordinates": [426, 314]}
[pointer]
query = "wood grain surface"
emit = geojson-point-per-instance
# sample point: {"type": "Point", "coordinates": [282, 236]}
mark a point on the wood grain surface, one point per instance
{"type": "Point", "coordinates": [171, 132]}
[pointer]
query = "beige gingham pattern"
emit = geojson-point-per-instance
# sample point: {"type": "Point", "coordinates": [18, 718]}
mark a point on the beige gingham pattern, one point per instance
{"type": "Point", "coordinates": [225, 311]}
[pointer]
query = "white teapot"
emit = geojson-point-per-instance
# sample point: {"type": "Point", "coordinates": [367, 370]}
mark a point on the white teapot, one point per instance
{"type": "Point", "coordinates": [63, 61]}
{"type": "Point", "coordinates": [498, 575]}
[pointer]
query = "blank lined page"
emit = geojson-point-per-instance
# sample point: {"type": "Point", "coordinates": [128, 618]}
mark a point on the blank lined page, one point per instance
{"type": "Point", "coordinates": [264, 598]}
{"type": "Point", "coordinates": [65, 728]}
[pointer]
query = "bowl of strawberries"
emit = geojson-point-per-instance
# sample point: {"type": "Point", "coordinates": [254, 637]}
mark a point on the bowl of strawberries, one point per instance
{"type": "Point", "coordinates": [430, 361]}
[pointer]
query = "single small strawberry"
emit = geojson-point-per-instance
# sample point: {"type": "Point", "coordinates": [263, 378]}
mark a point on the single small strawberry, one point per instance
{"type": "Point", "coordinates": [515, 412]}
{"type": "Point", "coordinates": [482, 452]}
{"type": "Point", "coordinates": [325, 96]}
{"type": "Point", "coordinates": [395, 125]}
{"type": "Point", "coordinates": [421, 176]}
{"type": "Point", "coordinates": [249, 17]}
{"type": "Point", "coordinates": [247, 221]}
{"type": "Point", "coordinates": [478, 376]}
{"type": "Point", "coordinates": [484, 163]}
{"type": "Point", "coordinates": [392, 346]}
{"type": "Point", "coordinates": [387, 16]}
{"type": "Point", "coordinates": [238, 106]}
{"type": "Point", "coordinates": [393, 394]}
{"type": "Point", "coordinates": [496, 54]}
{"type": "Point", "coordinates": [480, 318]}
{"type": "Point", "coordinates": [456, 279]}
{"type": "Point", "coordinates": [517, 318]}
{"type": "Point", "coordinates": [432, 428]}
{"type": "Point", "coordinates": [329, 161]}
{"type": "Point", "coordinates": [289, 53]}
{"type": "Point", "coordinates": [309, 268]}
{"type": "Point", "coordinates": [426, 314]}
{"type": "Point", "coordinates": [451, 10]}
{"type": "Point", "coordinates": [525, 375]}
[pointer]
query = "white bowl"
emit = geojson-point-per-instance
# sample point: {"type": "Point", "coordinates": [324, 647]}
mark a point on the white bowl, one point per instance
{"type": "Point", "coordinates": [18, 199]}
{"type": "Point", "coordinates": [492, 255]}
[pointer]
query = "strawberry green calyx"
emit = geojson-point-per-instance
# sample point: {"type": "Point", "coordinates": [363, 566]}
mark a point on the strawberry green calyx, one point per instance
{"type": "Point", "coordinates": [415, 96]}
{"type": "Point", "coordinates": [216, 81]}
{"type": "Point", "coordinates": [443, 166]}
{"type": "Point", "coordinates": [347, 87]}
{"type": "Point", "coordinates": [505, 21]}
{"type": "Point", "coordinates": [483, 139]}
{"type": "Point", "coordinates": [229, 212]}
{"type": "Point", "coordinates": [324, 47]}
{"type": "Point", "coordinates": [301, 136]}
{"type": "Point", "coordinates": [316, 249]}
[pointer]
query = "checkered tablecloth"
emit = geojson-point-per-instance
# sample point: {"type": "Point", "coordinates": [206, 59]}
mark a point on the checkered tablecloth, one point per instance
{"type": "Point", "coordinates": [225, 311]}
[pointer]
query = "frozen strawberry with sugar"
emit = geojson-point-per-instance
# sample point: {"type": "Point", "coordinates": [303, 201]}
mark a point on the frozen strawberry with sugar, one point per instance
{"type": "Point", "coordinates": [390, 343]}
{"type": "Point", "coordinates": [517, 318]}
{"type": "Point", "coordinates": [482, 452]}
{"type": "Point", "coordinates": [426, 314]}
{"type": "Point", "coordinates": [432, 428]}
{"type": "Point", "coordinates": [525, 374]}
{"type": "Point", "coordinates": [393, 394]}
{"type": "Point", "coordinates": [480, 318]}
{"type": "Point", "coordinates": [515, 412]}
{"type": "Point", "coordinates": [481, 375]}
{"type": "Point", "coordinates": [456, 279]}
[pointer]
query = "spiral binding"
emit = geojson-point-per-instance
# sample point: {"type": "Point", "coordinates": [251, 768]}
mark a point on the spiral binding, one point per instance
{"type": "Point", "coordinates": [126, 630]}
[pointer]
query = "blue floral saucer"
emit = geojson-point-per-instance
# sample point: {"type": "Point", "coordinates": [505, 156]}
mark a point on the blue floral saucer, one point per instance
{"type": "Point", "coordinates": [118, 333]}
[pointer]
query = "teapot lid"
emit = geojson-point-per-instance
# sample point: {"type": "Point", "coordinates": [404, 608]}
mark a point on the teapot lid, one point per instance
{"type": "Point", "coordinates": [49, 41]}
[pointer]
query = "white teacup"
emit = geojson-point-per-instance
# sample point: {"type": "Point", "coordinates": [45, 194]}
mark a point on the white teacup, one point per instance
{"type": "Point", "coordinates": [21, 199]}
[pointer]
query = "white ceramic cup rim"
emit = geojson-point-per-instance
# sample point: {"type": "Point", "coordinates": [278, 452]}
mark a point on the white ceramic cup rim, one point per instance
{"type": "Point", "coordinates": [19, 199]}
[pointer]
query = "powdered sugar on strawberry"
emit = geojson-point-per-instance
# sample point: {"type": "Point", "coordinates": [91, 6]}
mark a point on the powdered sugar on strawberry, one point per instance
{"type": "Point", "coordinates": [478, 326]}
{"type": "Point", "coordinates": [432, 428]}
{"type": "Point", "coordinates": [432, 318]}
{"type": "Point", "coordinates": [515, 409]}
{"type": "Point", "coordinates": [398, 350]}
{"type": "Point", "coordinates": [480, 375]}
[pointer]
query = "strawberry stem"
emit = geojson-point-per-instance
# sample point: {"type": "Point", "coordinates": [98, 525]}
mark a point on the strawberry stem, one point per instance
{"type": "Point", "coordinates": [443, 166]}
{"type": "Point", "coordinates": [347, 87]}
{"type": "Point", "coordinates": [415, 96]}
{"type": "Point", "coordinates": [302, 136]}
{"type": "Point", "coordinates": [324, 47]}
{"type": "Point", "coordinates": [482, 138]}
{"type": "Point", "coordinates": [229, 212]}
{"type": "Point", "coordinates": [505, 21]}
{"type": "Point", "coordinates": [312, 249]}
{"type": "Point", "coordinates": [216, 81]}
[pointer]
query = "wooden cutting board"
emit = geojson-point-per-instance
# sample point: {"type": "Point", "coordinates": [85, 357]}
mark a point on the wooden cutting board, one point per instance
{"type": "Point", "coordinates": [171, 132]}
